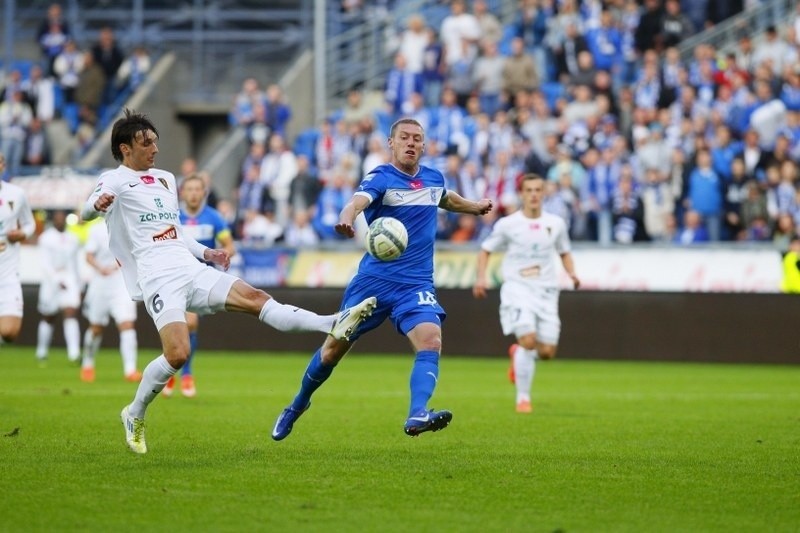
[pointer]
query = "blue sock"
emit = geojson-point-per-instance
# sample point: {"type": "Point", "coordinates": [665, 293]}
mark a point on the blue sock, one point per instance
{"type": "Point", "coordinates": [187, 366]}
{"type": "Point", "coordinates": [424, 376]}
{"type": "Point", "coordinates": [315, 375]}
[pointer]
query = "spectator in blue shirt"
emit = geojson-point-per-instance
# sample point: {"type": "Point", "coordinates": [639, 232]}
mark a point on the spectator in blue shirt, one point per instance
{"type": "Point", "coordinates": [433, 69]}
{"type": "Point", "coordinates": [705, 194]}
{"type": "Point", "coordinates": [693, 230]}
{"type": "Point", "coordinates": [401, 83]}
{"type": "Point", "coordinates": [724, 152]}
{"type": "Point", "coordinates": [605, 43]}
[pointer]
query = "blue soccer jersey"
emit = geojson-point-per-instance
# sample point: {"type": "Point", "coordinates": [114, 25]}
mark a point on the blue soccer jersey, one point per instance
{"type": "Point", "coordinates": [207, 227]}
{"type": "Point", "coordinates": [414, 201]}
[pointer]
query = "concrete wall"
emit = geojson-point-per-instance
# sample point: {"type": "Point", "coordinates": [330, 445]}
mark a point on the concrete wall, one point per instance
{"type": "Point", "coordinates": [702, 327]}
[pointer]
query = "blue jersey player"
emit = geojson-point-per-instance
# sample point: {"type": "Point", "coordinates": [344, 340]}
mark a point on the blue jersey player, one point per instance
{"type": "Point", "coordinates": [205, 225]}
{"type": "Point", "coordinates": [404, 288]}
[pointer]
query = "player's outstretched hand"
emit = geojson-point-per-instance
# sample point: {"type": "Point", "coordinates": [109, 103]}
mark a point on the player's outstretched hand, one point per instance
{"type": "Point", "coordinates": [103, 202]}
{"type": "Point", "coordinates": [575, 281]}
{"type": "Point", "coordinates": [15, 235]}
{"type": "Point", "coordinates": [218, 257]}
{"type": "Point", "coordinates": [479, 289]}
{"type": "Point", "coordinates": [342, 228]}
{"type": "Point", "coordinates": [484, 206]}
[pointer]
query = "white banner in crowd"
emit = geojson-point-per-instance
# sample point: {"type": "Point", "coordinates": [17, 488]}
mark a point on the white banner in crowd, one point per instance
{"type": "Point", "coordinates": [602, 269]}
{"type": "Point", "coordinates": [679, 269]}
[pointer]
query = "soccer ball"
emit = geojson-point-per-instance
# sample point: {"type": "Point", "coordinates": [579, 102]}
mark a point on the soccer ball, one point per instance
{"type": "Point", "coordinates": [386, 239]}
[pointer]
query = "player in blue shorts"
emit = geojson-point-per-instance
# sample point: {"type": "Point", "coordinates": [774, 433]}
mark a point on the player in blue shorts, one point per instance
{"type": "Point", "coordinates": [205, 225]}
{"type": "Point", "coordinates": [412, 194]}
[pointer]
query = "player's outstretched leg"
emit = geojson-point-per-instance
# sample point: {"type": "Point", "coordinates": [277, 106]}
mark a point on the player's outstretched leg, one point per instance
{"type": "Point", "coordinates": [423, 380]}
{"type": "Point", "coordinates": [348, 320]}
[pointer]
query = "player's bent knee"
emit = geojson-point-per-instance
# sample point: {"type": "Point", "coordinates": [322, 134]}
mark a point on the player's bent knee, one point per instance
{"type": "Point", "coordinates": [9, 336]}
{"type": "Point", "coordinates": [547, 351]}
{"type": "Point", "coordinates": [528, 342]}
{"type": "Point", "coordinates": [245, 298]}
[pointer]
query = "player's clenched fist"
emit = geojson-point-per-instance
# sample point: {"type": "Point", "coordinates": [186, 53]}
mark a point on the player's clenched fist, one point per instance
{"type": "Point", "coordinates": [103, 202]}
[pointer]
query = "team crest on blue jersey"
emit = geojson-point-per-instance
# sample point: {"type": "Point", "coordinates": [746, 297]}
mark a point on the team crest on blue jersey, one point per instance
{"type": "Point", "coordinates": [433, 196]}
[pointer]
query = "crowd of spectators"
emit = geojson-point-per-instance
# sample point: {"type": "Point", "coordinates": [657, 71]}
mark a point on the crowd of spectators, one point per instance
{"type": "Point", "coordinates": [636, 144]}
{"type": "Point", "coordinates": [69, 83]}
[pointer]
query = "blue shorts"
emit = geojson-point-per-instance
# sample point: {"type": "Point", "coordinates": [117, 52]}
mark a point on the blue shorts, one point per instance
{"type": "Point", "coordinates": [405, 304]}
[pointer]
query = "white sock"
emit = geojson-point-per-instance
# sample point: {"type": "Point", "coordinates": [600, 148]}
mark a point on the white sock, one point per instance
{"type": "Point", "coordinates": [128, 349]}
{"type": "Point", "coordinates": [72, 335]}
{"type": "Point", "coordinates": [43, 338]}
{"type": "Point", "coordinates": [90, 346]}
{"type": "Point", "coordinates": [154, 377]}
{"type": "Point", "coordinates": [524, 369]}
{"type": "Point", "coordinates": [289, 318]}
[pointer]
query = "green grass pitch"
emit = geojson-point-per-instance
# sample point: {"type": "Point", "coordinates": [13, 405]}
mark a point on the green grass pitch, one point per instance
{"type": "Point", "coordinates": [611, 446]}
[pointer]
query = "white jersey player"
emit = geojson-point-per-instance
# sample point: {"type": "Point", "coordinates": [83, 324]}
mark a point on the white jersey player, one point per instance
{"type": "Point", "coordinates": [16, 225]}
{"type": "Point", "coordinates": [60, 288]}
{"type": "Point", "coordinates": [533, 241]}
{"type": "Point", "coordinates": [106, 297]}
{"type": "Point", "coordinates": [160, 267]}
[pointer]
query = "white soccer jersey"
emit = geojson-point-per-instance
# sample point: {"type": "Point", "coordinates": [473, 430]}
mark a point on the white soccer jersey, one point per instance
{"type": "Point", "coordinates": [58, 251]}
{"type": "Point", "coordinates": [97, 245]}
{"type": "Point", "coordinates": [14, 214]}
{"type": "Point", "coordinates": [106, 296]}
{"type": "Point", "coordinates": [532, 246]}
{"type": "Point", "coordinates": [143, 223]}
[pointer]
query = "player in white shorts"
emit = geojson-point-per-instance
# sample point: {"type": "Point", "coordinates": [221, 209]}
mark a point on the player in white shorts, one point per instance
{"type": "Point", "coordinates": [60, 288]}
{"type": "Point", "coordinates": [160, 267]}
{"type": "Point", "coordinates": [16, 225]}
{"type": "Point", "coordinates": [106, 297]}
{"type": "Point", "coordinates": [532, 240]}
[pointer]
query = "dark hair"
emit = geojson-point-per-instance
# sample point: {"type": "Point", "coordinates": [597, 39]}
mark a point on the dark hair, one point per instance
{"type": "Point", "coordinates": [403, 121]}
{"type": "Point", "coordinates": [125, 130]}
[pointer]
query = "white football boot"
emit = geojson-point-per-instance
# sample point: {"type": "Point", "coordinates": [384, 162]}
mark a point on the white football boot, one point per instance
{"type": "Point", "coordinates": [134, 431]}
{"type": "Point", "coordinates": [348, 320]}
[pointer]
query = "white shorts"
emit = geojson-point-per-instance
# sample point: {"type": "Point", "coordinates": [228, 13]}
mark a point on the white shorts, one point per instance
{"type": "Point", "coordinates": [108, 298]}
{"type": "Point", "coordinates": [10, 297]}
{"type": "Point", "coordinates": [525, 310]}
{"type": "Point", "coordinates": [53, 297]}
{"type": "Point", "coordinates": [169, 294]}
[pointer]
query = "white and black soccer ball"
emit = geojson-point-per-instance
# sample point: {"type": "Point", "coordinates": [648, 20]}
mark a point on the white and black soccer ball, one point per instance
{"type": "Point", "coordinates": [386, 239]}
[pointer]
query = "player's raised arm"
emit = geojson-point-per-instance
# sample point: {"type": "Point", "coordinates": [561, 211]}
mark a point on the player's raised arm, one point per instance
{"type": "Point", "coordinates": [347, 218]}
{"type": "Point", "coordinates": [98, 202]}
{"type": "Point", "coordinates": [452, 201]}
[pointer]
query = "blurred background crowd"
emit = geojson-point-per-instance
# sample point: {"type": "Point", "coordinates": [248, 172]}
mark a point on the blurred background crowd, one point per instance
{"type": "Point", "coordinates": [638, 141]}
